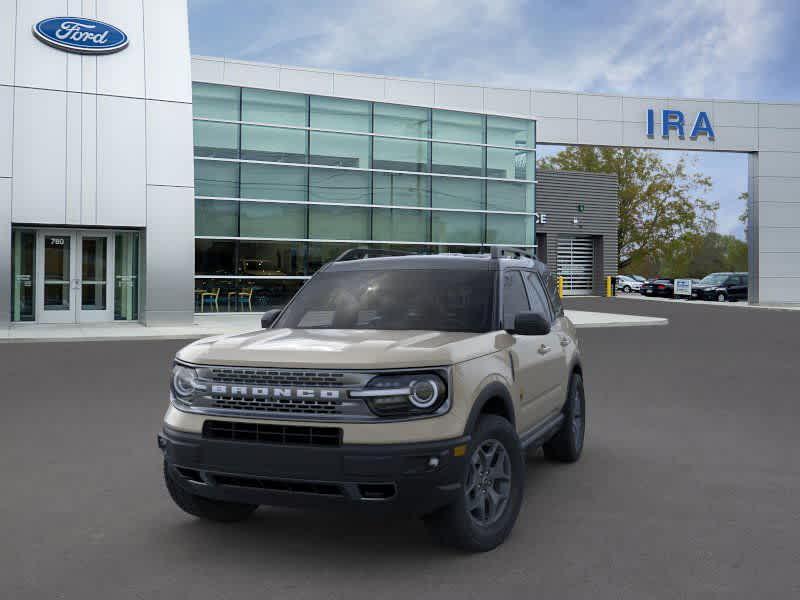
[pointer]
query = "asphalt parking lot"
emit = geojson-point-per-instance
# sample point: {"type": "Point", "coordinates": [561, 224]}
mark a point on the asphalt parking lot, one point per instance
{"type": "Point", "coordinates": [689, 486]}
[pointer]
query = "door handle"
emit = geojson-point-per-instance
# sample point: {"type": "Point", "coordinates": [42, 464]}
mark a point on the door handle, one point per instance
{"type": "Point", "coordinates": [543, 349]}
{"type": "Point", "coordinates": [564, 340]}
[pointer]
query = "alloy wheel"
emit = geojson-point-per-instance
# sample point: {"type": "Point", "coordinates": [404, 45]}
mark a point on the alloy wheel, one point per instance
{"type": "Point", "coordinates": [488, 486]}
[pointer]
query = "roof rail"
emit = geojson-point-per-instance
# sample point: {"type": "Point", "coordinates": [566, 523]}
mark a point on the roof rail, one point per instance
{"type": "Point", "coordinates": [361, 253]}
{"type": "Point", "coordinates": [511, 252]}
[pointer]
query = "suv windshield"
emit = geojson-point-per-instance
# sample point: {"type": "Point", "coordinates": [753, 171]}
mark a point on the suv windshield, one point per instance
{"type": "Point", "coordinates": [435, 300]}
{"type": "Point", "coordinates": [714, 279]}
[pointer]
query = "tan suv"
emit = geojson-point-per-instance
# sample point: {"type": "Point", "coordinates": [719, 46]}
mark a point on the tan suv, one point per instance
{"type": "Point", "coordinates": [406, 383]}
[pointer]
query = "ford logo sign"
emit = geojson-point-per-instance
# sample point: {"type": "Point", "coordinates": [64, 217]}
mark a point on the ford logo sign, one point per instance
{"type": "Point", "coordinates": [84, 36]}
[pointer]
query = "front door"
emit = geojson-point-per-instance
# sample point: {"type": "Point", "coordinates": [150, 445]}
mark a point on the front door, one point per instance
{"type": "Point", "coordinates": [73, 272]}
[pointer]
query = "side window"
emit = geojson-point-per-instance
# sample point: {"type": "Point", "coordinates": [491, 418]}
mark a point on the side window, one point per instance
{"type": "Point", "coordinates": [551, 286]}
{"type": "Point", "coordinates": [515, 300]}
{"type": "Point", "coordinates": [537, 295]}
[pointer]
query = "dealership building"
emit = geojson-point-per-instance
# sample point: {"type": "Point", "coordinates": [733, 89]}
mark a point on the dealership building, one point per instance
{"type": "Point", "coordinates": [139, 183]}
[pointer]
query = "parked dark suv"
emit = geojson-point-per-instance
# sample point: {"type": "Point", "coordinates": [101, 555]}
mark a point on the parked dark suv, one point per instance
{"type": "Point", "coordinates": [721, 287]}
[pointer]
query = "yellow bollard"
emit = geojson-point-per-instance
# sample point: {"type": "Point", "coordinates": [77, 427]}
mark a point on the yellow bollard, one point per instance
{"type": "Point", "coordinates": [608, 287]}
{"type": "Point", "coordinates": [560, 286]}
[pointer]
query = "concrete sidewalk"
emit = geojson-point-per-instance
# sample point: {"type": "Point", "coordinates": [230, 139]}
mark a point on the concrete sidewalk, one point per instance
{"type": "Point", "coordinates": [206, 325]}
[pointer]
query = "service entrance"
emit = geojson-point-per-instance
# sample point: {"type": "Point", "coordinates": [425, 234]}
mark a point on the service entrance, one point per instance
{"type": "Point", "coordinates": [576, 264]}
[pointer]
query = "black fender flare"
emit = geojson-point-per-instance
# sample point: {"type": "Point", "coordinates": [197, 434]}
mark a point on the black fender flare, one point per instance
{"type": "Point", "coordinates": [494, 389]}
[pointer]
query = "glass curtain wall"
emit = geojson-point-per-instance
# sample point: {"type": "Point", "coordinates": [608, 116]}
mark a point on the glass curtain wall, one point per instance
{"type": "Point", "coordinates": [285, 182]}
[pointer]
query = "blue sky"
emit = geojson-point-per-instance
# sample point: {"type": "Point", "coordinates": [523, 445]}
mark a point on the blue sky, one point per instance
{"type": "Point", "coordinates": [740, 49]}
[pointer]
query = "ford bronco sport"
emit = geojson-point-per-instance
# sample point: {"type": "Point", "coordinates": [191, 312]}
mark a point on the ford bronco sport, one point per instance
{"type": "Point", "coordinates": [412, 383]}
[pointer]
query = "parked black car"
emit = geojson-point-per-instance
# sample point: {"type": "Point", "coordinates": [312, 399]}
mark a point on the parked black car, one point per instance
{"type": "Point", "coordinates": [663, 288]}
{"type": "Point", "coordinates": [721, 287]}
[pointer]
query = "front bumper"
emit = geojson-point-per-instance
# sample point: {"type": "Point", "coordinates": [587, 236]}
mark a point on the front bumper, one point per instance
{"type": "Point", "coordinates": [408, 478]}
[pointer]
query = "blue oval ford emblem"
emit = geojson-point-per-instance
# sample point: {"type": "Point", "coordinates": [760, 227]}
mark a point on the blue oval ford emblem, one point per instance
{"type": "Point", "coordinates": [76, 34]}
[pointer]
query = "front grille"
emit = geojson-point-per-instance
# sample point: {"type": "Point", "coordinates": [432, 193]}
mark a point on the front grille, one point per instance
{"type": "Point", "coordinates": [268, 377]}
{"type": "Point", "coordinates": [280, 485]}
{"type": "Point", "coordinates": [289, 435]}
{"type": "Point", "coordinates": [278, 405]}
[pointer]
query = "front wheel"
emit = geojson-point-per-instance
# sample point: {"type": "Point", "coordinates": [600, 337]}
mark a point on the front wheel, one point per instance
{"type": "Point", "coordinates": [567, 444]}
{"type": "Point", "coordinates": [493, 482]}
{"type": "Point", "coordinates": [721, 297]}
{"type": "Point", "coordinates": [627, 289]}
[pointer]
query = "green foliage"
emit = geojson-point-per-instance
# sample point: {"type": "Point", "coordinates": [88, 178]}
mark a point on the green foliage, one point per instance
{"type": "Point", "coordinates": [694, 255]}
{"type": "Point", "coordinates": [661, 204]}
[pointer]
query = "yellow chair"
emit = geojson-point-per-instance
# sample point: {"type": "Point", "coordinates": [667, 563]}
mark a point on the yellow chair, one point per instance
{"type": "Point", "coordinates": [211, 297]}
{"type": "Point", "coordinates": [246, 296]}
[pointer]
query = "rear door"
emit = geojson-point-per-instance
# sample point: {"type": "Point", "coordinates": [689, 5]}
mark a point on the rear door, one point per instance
{"type": "Point", "coordinates": [535, 359]}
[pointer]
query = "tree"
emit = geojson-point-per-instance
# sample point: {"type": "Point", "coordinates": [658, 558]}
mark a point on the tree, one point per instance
{"type": "Point", "coordinates": [659, 202]}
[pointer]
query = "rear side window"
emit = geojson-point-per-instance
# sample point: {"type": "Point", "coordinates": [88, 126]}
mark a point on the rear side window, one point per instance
{"type": "Point", "coordinates": [515, 300]}
{"type": "Point", "coordinates": [537, 295]}
{"type": "Point", "coordinates": [551, 287]}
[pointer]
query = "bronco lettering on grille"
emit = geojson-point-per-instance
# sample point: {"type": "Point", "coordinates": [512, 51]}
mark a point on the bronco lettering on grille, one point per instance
{"type": "Point", "coordinates": [274, 392]}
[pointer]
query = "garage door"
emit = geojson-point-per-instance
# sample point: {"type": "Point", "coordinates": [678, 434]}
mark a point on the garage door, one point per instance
{"type": "Point", "coordinates": [576, 264]}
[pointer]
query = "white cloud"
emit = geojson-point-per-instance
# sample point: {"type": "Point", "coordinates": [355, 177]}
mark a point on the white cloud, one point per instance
{"type": "Point", "coordinates": [687, 47]}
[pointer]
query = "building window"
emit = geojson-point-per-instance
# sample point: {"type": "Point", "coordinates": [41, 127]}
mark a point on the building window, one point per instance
{"type": "Point", "coordinates": [414, 178]}
{"type": "Point", "coordinates": [126, 276]}
{"type": "Point", "coordinates": [278, 108]}
{"type": "Point", "coordinates": [23, 261]}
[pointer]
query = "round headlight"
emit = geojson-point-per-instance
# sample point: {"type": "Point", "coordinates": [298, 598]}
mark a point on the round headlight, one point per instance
{"type": "Point", "coordinates": [423, 393]}
{"type": "Point", "coordinates": [183, 381]}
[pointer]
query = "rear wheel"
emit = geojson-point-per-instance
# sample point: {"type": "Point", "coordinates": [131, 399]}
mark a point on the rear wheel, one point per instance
{"type": "Point", "coordinates": [627, 289]}
{"type": "Point", "coordinates": [205, 508]}
{"type": "Point", "coordinates": [567, 444]}
{"type": "Point", "coordinates": [493, 482]}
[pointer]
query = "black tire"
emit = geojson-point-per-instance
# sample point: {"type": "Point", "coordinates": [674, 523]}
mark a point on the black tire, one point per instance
{"type": "Point", "coordinates": [205, 508]}
{"type": "Point", "coordinates": [566, 445]}
{"type": "Point", "coordinates": [455, 525]}
{"type": "Point", "coordinates": [627, 289]}
{"type": "Point", "coordinates": [722, 297]}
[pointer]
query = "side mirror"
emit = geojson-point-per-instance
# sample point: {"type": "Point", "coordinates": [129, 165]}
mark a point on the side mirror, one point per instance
{"type": "Point", "coordinates": [268, 318]}
{"type": "Point", "coordinates": [530, 323]}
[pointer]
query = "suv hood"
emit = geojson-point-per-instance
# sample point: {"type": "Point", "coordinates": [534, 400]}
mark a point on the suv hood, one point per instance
{"type": "Point", "coordinates": [342, 348]}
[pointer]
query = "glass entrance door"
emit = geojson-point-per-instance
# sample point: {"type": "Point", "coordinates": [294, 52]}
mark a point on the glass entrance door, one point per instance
{"type": "Point", "coordinates": [94, 302]}
{"type": "Point", "coordinates": [74, 272]}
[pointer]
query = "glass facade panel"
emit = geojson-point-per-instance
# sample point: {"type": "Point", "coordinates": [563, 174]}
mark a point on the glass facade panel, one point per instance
{"type": "Point", "coordinates": [509, 164]}
{"type": "Point", "coordinates": [401, 225]}
{"type": "Point", "coordinates": [216, 178]}
{"type": "Point", "coordinates": [510, 196]}
{"type": "Point", "coordinates": [338, 222]}
{"type": "Point", "coordinates": [23, 261]}
{"type": "Point", "coordinates": [457, 159]}
{"type": "Point", "coordinates": [400, 155]}
{"type": "Point", "coordinates": [57, 258]}
{"type": "Point", "coordinates": [263, 219]}
{"type": "Point", "coordinates": [338, 185]}
{"type": "Point", "coordinates": [126, 276]}
{"type": "Point", "coordinates": [368, 170]}
{"type": "Point", "coordinates": [273, 144]}
{"type": "Point", "coordinates": [514, 230]}
{"type": "Point", "coordinates": [451, 192]}
{"type": "Point", "coordinates": [401, 190]}
{"type": "Point", "coordinates": [280, 108]}
{"type": "Point", "coordinates": [406, 121]}
{"type": "Point", "coordinates": [270, 259]}
{"type": "Point", "coordinates": [457, 227]}
{"type": "Point", "coordinates": [220, 140]}
{"type": "Point", "coordinates": [507, 131]}
{"type": "Point", "coordinates": [273, 182]}
{"type": "Point", "coordinates": [339, 150]}
{"type": "Point", "coordinates": [214, 257]}
{"type": "Point", "coordinates": [215, 101]}
{"type": "Point", "coordinates": [456, 126]}
{"type": "Point", "coordinates": [216, 217]}
{"type": "Point", "coordinates": [340, 114]}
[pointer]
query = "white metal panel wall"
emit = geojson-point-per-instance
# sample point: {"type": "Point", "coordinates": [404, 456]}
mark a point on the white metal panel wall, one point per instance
{"type": "Point", "coordinates": [8, 25]}
{"type": "Point", "coordinates": [6, 128]}
{"type": "Point", "coordinates": [575, 262]}
{"type": "Point", "coordinates": [39, 156]}
{"type": "Point", "coordinates": [167, 58]}
{"type": "Point", "coordinates": [121, 73]}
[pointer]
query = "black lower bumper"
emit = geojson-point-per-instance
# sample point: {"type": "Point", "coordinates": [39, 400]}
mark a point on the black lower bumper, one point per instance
{"type": "Point", "coordinates": [409, 478]}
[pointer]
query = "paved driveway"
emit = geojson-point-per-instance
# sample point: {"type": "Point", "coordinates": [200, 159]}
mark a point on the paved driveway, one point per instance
{"type": "Point", "coordinates": [689, 486]}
